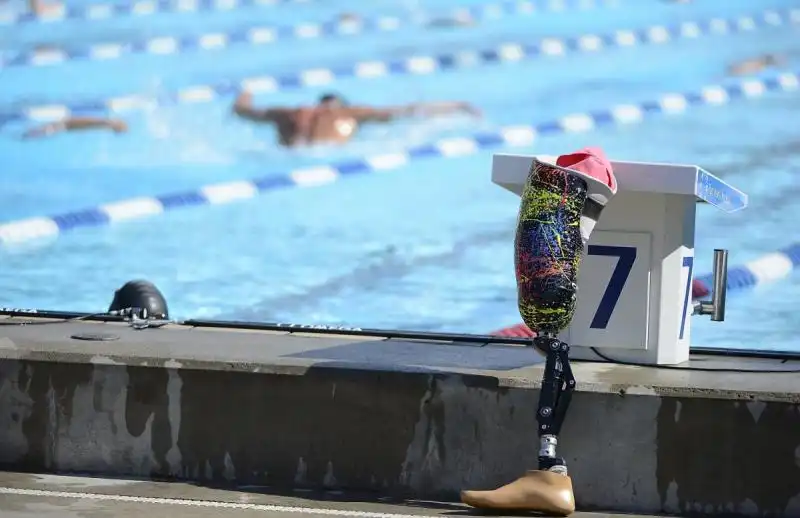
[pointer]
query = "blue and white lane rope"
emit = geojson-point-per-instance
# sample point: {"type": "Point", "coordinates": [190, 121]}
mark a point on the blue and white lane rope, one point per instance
{"type": "Point", "coordinates": [509, 136]}
{"type": "Point", "coordinates": [763, 270]}
{"type": "Point", "coordinates": [265, 35]}
{"type": "Point", "coordinates": [139, 8]}
{"type": "Point", "coordinates": [417, 65]}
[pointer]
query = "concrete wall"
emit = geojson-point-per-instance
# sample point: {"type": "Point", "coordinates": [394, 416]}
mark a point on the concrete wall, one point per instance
{"type": "Point", "coordinates": [427, 435]}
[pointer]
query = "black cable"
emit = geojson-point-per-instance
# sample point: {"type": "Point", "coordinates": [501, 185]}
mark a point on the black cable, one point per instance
{"type": "Point", "coordinates": [479, 338]}
{"type": "Point", "coordinates": [691, 368]}
{"type": "Point", "coordinates": [361, 331]}
{"type": "Point", "coordinates": [63, 317]}
{"type": "Point", "coordinates": [61, 321]}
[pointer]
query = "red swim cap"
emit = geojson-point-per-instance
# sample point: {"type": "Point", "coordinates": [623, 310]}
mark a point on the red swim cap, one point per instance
{"type": "Point", "coordinates": [590, 161]}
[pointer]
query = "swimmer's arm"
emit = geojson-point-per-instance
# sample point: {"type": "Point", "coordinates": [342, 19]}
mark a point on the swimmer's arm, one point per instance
{"type": "Point", "coordinates": [411, 110]}
{"type": "Point", "coordinates": [76, 123]}
{"type": "Point", "coordinates": [37, 7]}
{"type": "Point", "coordinates": [243, 107]}
{"type": "Point", "coordinates": [443, 108]}
{"type": "Point", "coordinates": [79, 123]}
{"type": "Point", "coordinates": [262, 114]}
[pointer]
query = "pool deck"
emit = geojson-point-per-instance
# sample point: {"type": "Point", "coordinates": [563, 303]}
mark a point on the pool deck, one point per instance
{"type": "Point", "coordinates": [43, 496]}
{"type": "Point", "coordinates": [395, 417]}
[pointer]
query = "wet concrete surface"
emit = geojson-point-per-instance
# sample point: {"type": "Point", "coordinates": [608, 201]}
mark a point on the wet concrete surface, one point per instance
{"type": "Point", "coordinates": [25, 495]}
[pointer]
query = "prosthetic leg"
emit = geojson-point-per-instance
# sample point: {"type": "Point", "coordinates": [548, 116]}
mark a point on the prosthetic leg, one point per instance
{"type": "Point", "coordinates": [558, 211]}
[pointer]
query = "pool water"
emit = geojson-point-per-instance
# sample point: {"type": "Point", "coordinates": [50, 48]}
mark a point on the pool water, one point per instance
{"type": "Point", "coordinates": [427, 246]}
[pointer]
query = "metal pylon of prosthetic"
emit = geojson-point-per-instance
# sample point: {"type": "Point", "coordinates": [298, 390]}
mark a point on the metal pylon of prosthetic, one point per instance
{"type": "Point", "coordinates": [558, 384]}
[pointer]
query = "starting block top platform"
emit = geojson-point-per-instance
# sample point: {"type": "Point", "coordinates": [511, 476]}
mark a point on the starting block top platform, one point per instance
{"type": "Point", "coordinates": [634, 286]}
{"type": "Point", "coordinates": [510, 171]}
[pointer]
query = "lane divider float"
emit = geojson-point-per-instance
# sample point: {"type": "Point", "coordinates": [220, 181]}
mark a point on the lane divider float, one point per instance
{"type": "Point", "coordinates": [418, 65]}
{"type": "Point", "coordinates": [138, 8]}
{"type": "Point", "coordinates": [507, 136]}
{"type": "Point", "coordinates": [257, 35]}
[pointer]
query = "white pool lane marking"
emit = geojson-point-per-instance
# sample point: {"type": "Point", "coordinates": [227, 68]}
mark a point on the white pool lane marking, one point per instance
{"type": "Point", "coordinates": [203, 503]}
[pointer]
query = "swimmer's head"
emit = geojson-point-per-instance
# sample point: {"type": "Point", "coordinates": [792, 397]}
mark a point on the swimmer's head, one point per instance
{"type": "Point", "coordinates": [349, 18]}
{"type": "Point", "coordinates": [118, 126]}
{"type": "Point", "coordinates": [331, 100]}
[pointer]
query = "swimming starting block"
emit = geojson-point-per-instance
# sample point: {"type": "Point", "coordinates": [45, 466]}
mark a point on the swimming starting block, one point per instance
{"type": "Point", "coordinates": [603, 260]}
{"type": "Point", "coordinates": [634, 286]}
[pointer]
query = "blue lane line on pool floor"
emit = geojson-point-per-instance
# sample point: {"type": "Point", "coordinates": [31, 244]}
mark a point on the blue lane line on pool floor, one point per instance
{"type": "Point", "coordinates": [265, 34]}
{"type": "Point", "coordinates": [139, 8]}
{"type": "Point", "coordinates": [508, 136]}
{"type": "Point", "coordinates": [418, 65]}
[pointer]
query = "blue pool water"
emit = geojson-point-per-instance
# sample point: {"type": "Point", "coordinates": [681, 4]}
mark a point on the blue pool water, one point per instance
{"type": "Point", "coordinates": [425, 247]}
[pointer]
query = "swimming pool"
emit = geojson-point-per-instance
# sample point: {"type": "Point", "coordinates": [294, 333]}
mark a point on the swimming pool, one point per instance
{"type": "Point", "coordinates": [424, 246]}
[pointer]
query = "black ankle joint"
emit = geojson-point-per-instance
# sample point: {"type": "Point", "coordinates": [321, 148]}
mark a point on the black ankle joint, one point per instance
{"type": "Point", "coordinates": [545, 463]}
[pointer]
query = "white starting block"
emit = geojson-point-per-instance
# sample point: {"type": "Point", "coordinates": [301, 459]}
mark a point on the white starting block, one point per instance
{"type": "Point", "coordinates": [635, 281]}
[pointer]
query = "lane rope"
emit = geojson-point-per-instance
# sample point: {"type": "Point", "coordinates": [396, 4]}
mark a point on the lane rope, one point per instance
{"type": "Point", "coordinates": [257, 35]}
{"type": "Point", "coordinates": [416, 65]}
{"type": "Point", "coordinates": [139, 8]}
{"type": "Point", "coordinates": [763, 270]}
{"type": "Point", "coordinates": [507, 136]}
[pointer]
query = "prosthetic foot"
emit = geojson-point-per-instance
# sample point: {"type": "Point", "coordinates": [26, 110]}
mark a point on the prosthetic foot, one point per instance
{"type": "Point", "coordinates": [549, 489]}
{"type": "Point", "coordinates": [543, 491]}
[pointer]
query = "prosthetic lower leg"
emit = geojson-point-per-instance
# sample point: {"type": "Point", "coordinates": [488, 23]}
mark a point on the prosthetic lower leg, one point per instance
{"type": "Point", "coordinates": [557, 214]}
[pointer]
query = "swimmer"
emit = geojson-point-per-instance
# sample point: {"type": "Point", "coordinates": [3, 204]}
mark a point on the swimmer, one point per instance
{"type": "Point", "coordinates": [76, 124]}
{"type": "Point", "coordinates": [331, 120]}
{"type": "Point", "coordinates": [755, 65]}
{"type": "Point", "coordinates": [456, 21]}
{"type": "Point", "coordinates": [39, 8]}
{"type": "Point", "coordinates": [460, 20]}
{"type": "Point", "coordinates": [349, 18]}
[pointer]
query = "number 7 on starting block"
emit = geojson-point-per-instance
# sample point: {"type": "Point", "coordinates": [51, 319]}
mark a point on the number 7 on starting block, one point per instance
{"type": "Point", "coordinates": [613, 292]}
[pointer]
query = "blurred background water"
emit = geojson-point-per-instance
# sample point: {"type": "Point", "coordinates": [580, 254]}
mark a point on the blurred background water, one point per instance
{"type": "Point", "coordinates": [427, 246]}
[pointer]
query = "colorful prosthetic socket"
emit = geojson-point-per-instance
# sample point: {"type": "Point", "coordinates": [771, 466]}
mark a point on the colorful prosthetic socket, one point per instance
{"type": "Point", "coordinates": [559, 208]}
{"type": "Point", "coordinates": [548, 247]}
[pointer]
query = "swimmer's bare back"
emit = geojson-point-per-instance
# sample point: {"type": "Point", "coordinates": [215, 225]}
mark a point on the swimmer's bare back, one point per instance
{"type": "Point", "coordinates": [298, 126]}
{"type": "Point", "coordinates": [283, 118]}
{"type": "Point", "coordinates": [755, 65]}
{"type": "Point", "coordinates": [336, 124]}
{"type": "Point", "coordinates": [76, 124]}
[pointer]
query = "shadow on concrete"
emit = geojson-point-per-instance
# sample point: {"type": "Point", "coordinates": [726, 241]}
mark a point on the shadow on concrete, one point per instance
{"type": "Point", "coordinates": [315, 496]}
{"type": "Point", "coordinates": [412, 356]}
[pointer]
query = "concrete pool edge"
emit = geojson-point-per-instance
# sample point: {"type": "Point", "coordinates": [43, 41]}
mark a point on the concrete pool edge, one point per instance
{"type": "Point", "coordinates": [300, 353]}
{"type": "Point", "coordinates": [633, 442]}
